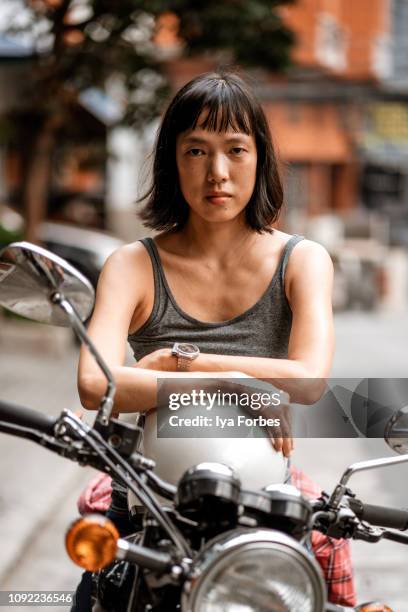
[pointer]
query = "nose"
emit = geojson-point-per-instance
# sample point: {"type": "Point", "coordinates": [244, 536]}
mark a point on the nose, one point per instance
{"type": "Point", "coordinates": [217, 169]}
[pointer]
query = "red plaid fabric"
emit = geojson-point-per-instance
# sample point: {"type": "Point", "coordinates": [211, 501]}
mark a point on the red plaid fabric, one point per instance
{"type": "Point", "coordinates": [96, 497]}
{"type": "Point", "coordinates": [333, 555]}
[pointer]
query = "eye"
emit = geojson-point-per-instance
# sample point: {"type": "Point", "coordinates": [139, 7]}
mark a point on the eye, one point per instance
{"type": "Point", "coordinates": [238, 150]}
{"type": "Point", "coordinates": [195, 152]}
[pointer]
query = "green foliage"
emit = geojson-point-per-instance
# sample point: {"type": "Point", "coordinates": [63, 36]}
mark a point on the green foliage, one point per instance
{"type": "Point", "coordinates": [252, 32]}
{"type": "Point", "coordinates": [7, 235]}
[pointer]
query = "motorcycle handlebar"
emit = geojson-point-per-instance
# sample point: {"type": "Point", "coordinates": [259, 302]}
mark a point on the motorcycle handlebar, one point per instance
{"type": "Point", "coordinates": [380, 515]}
{"type": "Point", "coordinates": [400, 538]}
{"type": "Point", "coordinates": [26, 417]}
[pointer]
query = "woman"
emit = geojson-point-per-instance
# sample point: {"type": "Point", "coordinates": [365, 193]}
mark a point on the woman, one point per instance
{"type": "Point", "coordinates": [249, 300]}
{"type": "Point", "coordinates": [215, 194]}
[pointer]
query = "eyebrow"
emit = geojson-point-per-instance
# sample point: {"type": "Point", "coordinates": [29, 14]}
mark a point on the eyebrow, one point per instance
{"type": "Point", "coordinates": [200, 140]}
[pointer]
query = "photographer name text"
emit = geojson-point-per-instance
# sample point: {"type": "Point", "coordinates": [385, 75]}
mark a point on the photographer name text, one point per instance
{"type": "Point", "coordinates": [222, 422]}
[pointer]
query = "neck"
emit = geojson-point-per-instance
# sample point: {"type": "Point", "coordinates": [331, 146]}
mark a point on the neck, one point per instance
{"type": "Point", "coordinates": [217, 241]}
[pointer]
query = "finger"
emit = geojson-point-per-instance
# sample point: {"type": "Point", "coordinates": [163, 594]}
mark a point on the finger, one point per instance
{"type": "Point", "coordinates": [287, 447]}
{"type": "Point", "coordinates": [286, 419]}
{"type": "Point", "coordinates": [286, 428]}
{"type": "Point", "coordinates": [277, 444]}
{"type": "Point", "coordinates": [274, 432]}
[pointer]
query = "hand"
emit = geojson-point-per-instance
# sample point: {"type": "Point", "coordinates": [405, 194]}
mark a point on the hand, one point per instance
{"type": "Point", "coordinates": [161, 360]}
{"type": "Point", "coordinates": [281, 438]}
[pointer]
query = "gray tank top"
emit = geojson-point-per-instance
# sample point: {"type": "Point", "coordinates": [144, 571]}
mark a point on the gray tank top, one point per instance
{"type": "Point", "coordinates": [261, 331]}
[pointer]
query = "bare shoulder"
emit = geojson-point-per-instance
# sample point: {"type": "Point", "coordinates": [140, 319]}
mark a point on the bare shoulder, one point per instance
{"type": "Point", "coordinates": [127, 273]}
{"type": "Point", "coordinates": [310, 254]}
{"type": "Point", "coordinates": [309, 266]}
{"type": "Point", "coordinates": [128, 258]}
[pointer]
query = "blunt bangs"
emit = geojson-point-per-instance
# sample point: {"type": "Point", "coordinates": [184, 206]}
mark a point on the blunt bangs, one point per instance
{"type": "Point", "coordinates": [217, 103]}
{"type": "Point", "coordinates": [226, 109]}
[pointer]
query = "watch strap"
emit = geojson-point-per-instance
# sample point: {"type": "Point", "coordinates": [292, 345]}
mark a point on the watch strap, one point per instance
{"type": "Point", "coordinates": [183, 363]}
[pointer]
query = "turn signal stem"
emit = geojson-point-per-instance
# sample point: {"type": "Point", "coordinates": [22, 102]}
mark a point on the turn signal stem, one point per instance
{"type": "Point", "coordinates": [153, 560]}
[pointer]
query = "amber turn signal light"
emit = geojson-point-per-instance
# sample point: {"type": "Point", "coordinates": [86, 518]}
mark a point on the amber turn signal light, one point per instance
{"type": "Point", "coordinates": [374, 606]}
{"type": "Point", "coordinates": [91, 542]}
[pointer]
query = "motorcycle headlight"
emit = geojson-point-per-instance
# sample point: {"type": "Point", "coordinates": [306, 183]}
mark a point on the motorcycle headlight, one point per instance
{"type": "Point", "coordinates": [254, 571]}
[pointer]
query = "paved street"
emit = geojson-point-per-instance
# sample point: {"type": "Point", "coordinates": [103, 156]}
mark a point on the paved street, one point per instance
{"type": "Point", "coordinates": [39, 490]}
{"type": "Point", "coordinates": [37, 499]}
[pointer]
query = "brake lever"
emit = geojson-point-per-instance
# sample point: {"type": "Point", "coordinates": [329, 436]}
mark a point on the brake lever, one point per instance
{"type": "Point", "coordinates": [367, 533]}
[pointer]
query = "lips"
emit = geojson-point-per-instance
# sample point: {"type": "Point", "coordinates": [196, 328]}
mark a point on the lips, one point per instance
{"type": "Point", "coordinates": [220, 197]}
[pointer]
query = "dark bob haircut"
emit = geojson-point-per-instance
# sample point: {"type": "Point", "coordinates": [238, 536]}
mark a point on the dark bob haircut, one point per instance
{"type": "Point", "coordinates": [230, 104]}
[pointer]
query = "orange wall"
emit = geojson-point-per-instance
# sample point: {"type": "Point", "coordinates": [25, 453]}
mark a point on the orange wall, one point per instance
{"type": "Point", "coordinates": [360, 21]}
{"type": "Point", "coordinates": [366, 21]}
{"type": "Point", "coordinates": [307, 132]}
{"type": "Point", "coordinates": [301, 19]}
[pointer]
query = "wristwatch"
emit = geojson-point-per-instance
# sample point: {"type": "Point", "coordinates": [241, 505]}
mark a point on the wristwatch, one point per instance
{"type": "Point", "coordinates": [185, 353]}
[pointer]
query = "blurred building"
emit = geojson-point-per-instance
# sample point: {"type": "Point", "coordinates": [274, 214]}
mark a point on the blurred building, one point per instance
{"type": "Point", "coordinates": [343, 37]}
{"type": "Point", "coordinates": [399, 20]}
{"type": "Point", "coordinates": [342, 117]}
{"type": "Point", "coordinates": [79, 161]}
{"type": "Point", "coordinates": [341, 121]}
{"type": "Point", "coordinates": [15, 64]}
{"type": "Point", "coordinates": [341, 55]}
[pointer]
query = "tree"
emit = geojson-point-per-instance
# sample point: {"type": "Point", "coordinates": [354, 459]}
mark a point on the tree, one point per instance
{"type": "Point", "coordinates": [80, 44]}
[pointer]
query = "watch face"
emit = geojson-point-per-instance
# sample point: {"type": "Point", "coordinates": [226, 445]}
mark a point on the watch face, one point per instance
{"type": "Point", "coordinates": [189, 349]}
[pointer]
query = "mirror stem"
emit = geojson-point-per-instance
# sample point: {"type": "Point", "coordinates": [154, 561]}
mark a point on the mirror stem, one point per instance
{"type": "Point", "coordinates": [106, 406]}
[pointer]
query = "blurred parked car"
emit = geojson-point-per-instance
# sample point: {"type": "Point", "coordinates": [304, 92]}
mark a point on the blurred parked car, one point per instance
{"type": "Point", "coordinates": [85, 249]}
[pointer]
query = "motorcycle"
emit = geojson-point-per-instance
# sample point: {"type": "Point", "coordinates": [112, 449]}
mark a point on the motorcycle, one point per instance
{"type": "Point", "coordinates": [206, 544]}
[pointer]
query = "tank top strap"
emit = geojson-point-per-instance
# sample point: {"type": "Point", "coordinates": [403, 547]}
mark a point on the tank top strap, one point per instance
{"type": "Point", "coordinates": [157, 265]}
{"type": "Point", "coordinates": [289, 246]}
{"type": "Point", "coordinates": [158, 275]}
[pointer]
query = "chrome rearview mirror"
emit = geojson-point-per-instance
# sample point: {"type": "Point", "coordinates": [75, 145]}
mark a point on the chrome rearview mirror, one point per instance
{"type": "Point", "coordinates": [30, 276]}
{"type": "Point", "coordinates": [41, 286]}
{"type": "Point", "coordinates": [396, 431]}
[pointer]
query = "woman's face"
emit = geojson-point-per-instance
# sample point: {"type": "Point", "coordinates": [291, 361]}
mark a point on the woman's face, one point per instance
{"type": "Point", "coordinates": [217, 171]}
